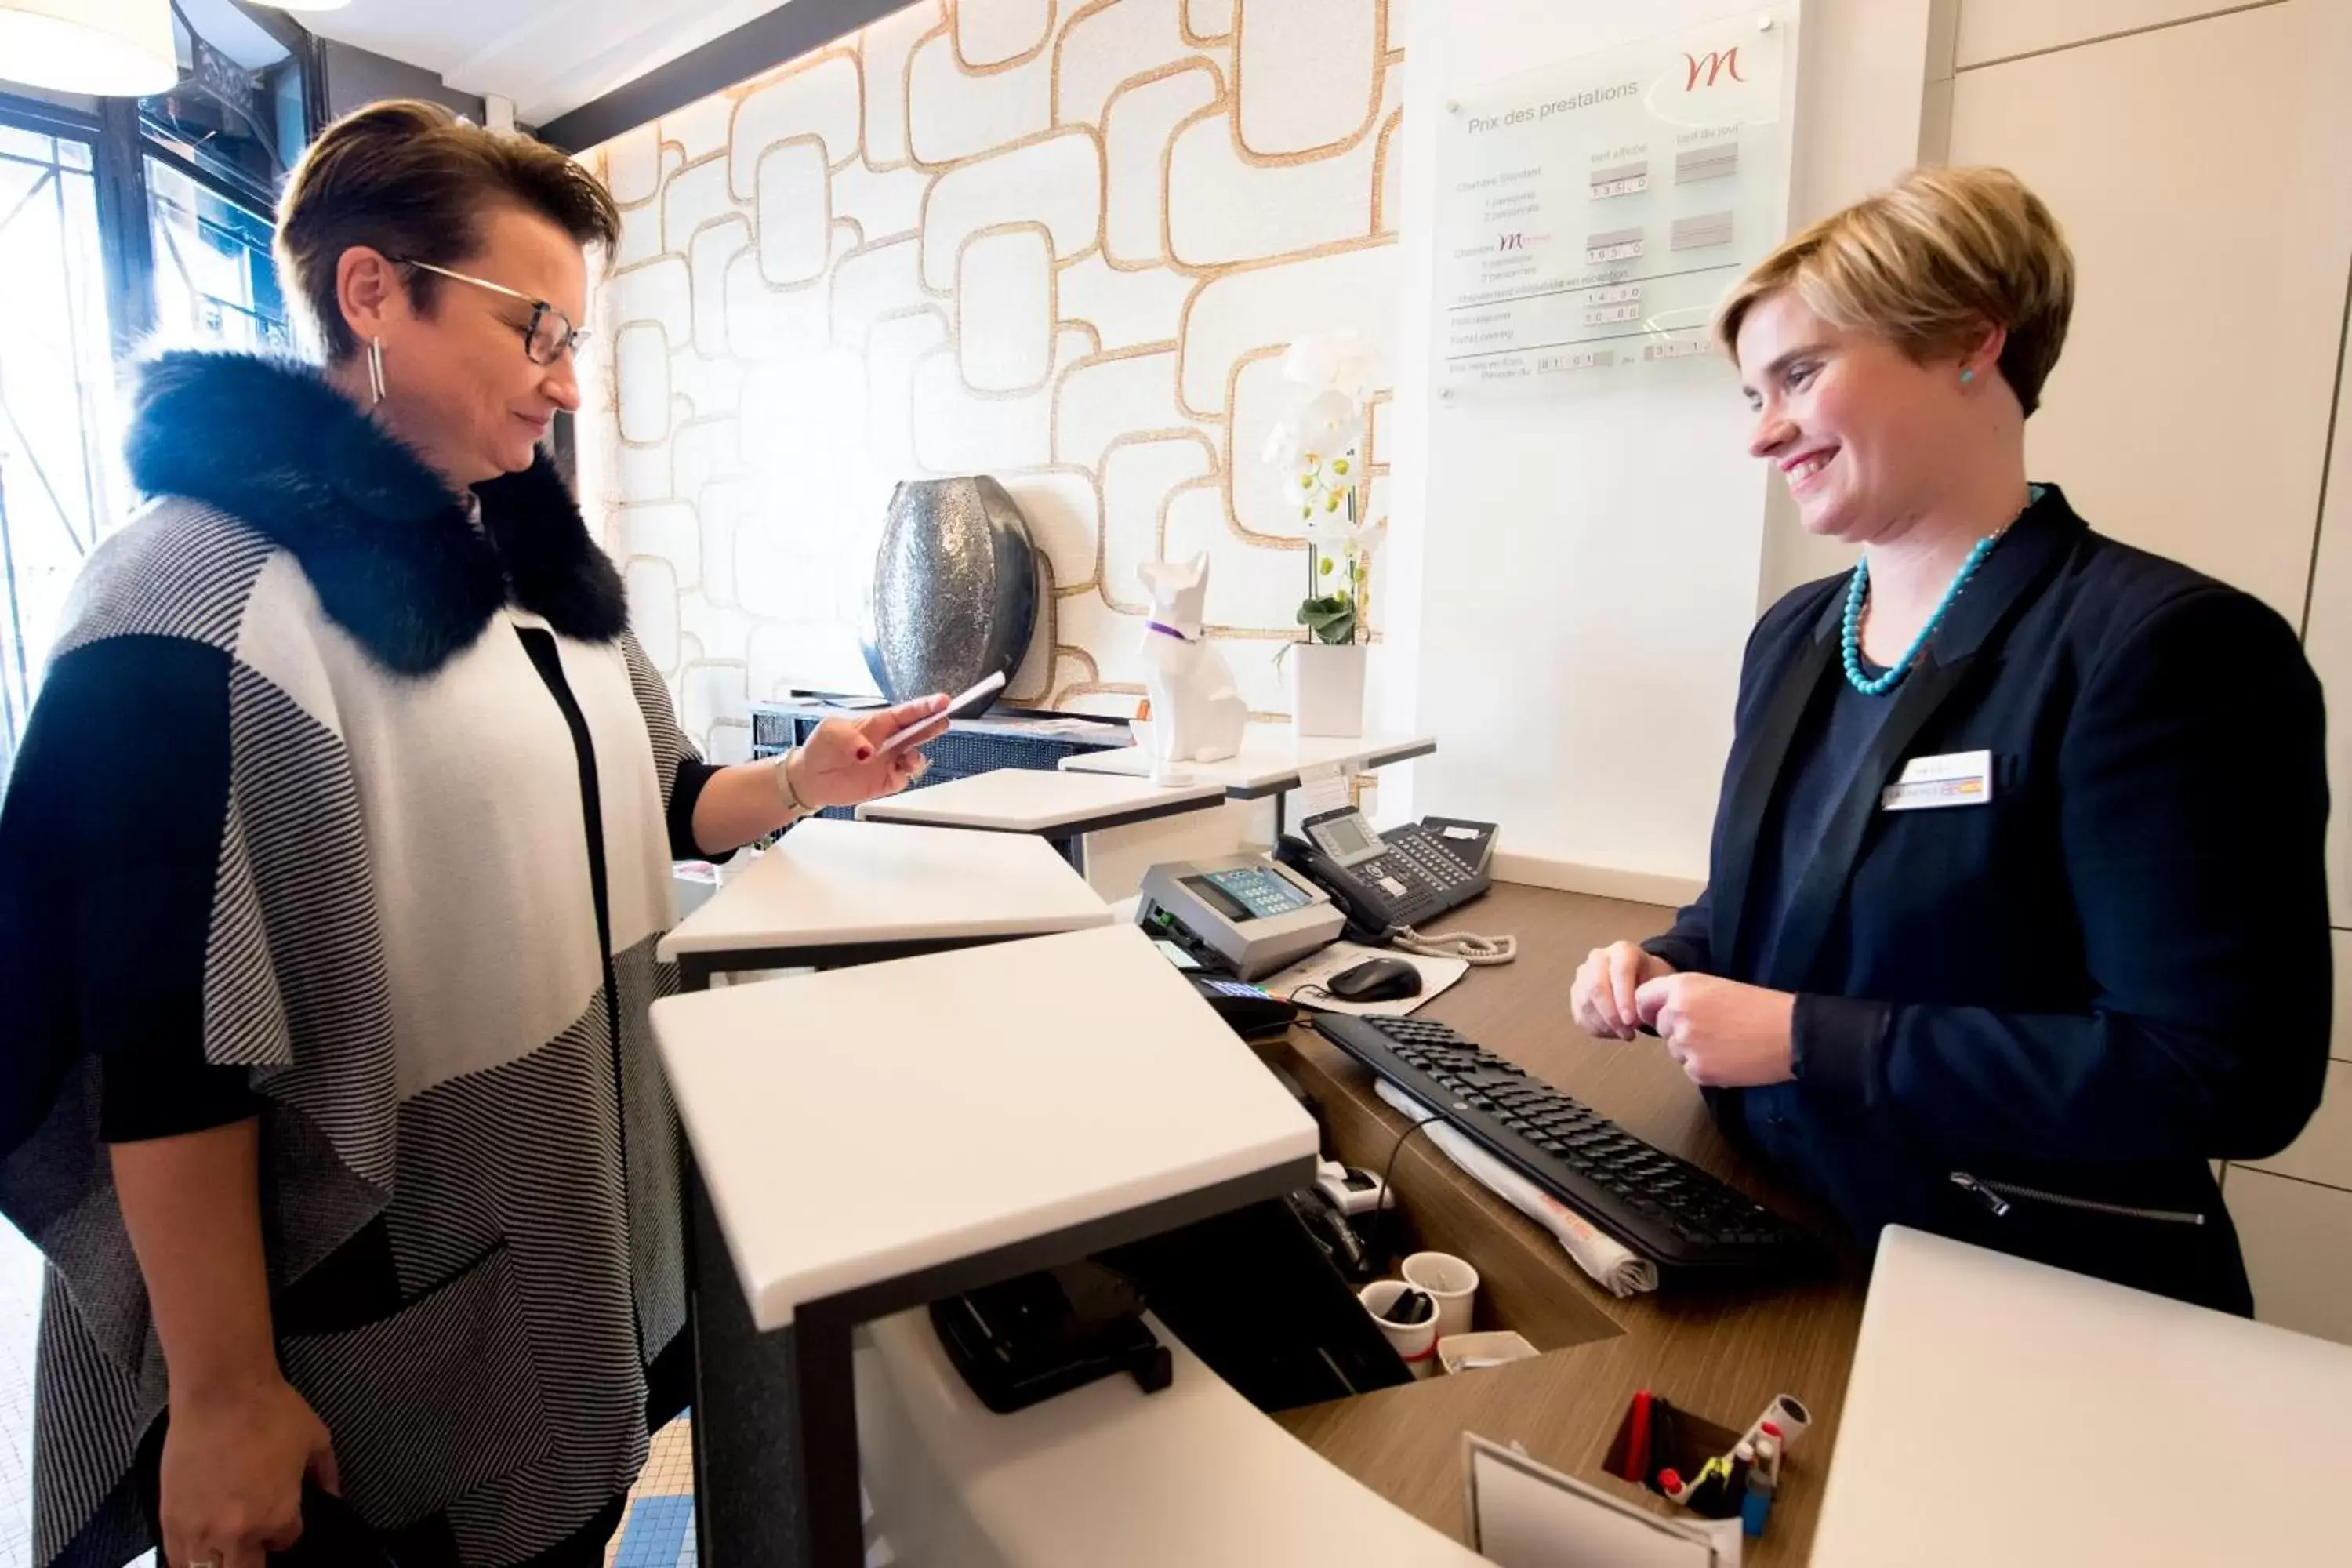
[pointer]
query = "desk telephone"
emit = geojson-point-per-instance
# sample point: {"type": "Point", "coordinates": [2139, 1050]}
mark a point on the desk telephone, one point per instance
{"type": "Point", "coordinates": [1249, 917]}
{"type": "Point", "coordinates": [1384, 883]}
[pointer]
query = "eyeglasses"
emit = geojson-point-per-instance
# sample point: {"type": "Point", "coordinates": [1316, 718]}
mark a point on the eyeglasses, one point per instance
{"type": "Point", "coordinates": [550, 332]}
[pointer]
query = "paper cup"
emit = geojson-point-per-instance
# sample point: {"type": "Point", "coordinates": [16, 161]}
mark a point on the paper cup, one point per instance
{"type": "Point", "coordinates": [1786, 1411]}
{"type": "Point", "coordinates": [1416, 1342]}
{"type": "Point", "coordinates": [1453, 1283]}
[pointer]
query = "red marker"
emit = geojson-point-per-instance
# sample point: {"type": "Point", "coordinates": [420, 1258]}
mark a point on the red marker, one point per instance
{"type": "Point", "coordinates": [1637, 1440]}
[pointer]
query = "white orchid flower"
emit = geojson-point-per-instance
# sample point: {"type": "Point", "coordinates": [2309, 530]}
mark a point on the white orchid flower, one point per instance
{"type": "Point", "coordinates": [1310, 361]}
{"type": "Point", "coordinates": [1334, 534]}
{"type": "Point", "coordinates": [1330, 360]}
{"type": "Point", "coordinates": [1330, 422]}
{"type": "Point", "coordinates": [1353, 365]}
{"type": "Point", "coordinates": [1284, 446]}
{"type": "Point", "coordinates": [1332, 531]}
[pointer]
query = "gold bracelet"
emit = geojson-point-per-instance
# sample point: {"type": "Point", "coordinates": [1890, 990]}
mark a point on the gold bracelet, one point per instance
{"type": "Point", "coordinates": [793, 806]}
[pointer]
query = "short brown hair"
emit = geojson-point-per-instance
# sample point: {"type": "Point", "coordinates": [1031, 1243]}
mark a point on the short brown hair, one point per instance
{"type": "Point", "coordinates": [413, 181]}
{"type": "Point", "coordinates": [1926, 266]}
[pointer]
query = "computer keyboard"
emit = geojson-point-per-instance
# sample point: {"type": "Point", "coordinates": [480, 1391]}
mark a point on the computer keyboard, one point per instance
{"type": "Point", "coordinates": [1668, 1210]}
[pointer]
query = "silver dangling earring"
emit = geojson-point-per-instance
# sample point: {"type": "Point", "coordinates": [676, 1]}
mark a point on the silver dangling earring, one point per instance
{"type": "Point", "coordinates": [375, 367]}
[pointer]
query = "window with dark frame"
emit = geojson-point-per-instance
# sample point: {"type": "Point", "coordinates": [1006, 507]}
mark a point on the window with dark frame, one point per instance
{"type": "Point", "coordinates": [125, 227]}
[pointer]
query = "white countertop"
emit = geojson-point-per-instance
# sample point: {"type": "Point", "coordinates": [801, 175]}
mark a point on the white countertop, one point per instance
{"type": "Point", "coordinates": [1033, 800]}
{"type": "Point", "coordinates": [828, 883]}
{"type": "Point", "coordinates": [861, 1124]}
{"type": "Point", "coordinates": [1191, 1477]}
{"type": "Point", "coordinates": [2003, 1411]}
{"type": "Point", "coordinates": [1270, 757]}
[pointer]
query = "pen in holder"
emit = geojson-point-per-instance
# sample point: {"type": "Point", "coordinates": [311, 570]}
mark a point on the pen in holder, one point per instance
{"type": "Point", "coordinates": [1655, 1435]}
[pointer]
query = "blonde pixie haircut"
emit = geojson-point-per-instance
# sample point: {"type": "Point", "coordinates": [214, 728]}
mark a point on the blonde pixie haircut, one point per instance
{"type": "Point", "coordinates": [1925, 266]}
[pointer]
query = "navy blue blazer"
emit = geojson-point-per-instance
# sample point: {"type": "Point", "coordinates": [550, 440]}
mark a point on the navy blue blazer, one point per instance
{"type": "Point", "coordinates": [2029, 1024]}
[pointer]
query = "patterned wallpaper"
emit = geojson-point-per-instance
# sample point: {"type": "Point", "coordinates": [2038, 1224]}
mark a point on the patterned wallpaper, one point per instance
{"type": "Point", "coordinates": [1061, 243]}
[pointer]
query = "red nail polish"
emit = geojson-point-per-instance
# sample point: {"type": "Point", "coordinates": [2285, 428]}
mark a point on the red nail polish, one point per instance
{"type": "Point", "coordinates": [865, 753]}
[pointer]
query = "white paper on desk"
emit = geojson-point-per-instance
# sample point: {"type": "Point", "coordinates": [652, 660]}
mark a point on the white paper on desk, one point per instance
{"type": "Point", "coordinates": [1526, 1515]}
{"type": "Point", "coordinates": [1438, 974]}
{"type": "Point", "coordinates": [1617, 1268]}
{"type": "Point", "coordinates": [1049, 726]}
{"type": "Point", "coordinates": [1323, 789]}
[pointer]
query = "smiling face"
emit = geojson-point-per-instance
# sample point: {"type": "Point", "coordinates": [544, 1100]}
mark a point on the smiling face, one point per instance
{"type": "Point", "coordinates": [1868, 440]}
{"type": "Point", "coordinates": [460, 387]}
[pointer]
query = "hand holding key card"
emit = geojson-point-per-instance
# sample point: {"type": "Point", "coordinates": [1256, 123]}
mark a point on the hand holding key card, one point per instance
{"type": "Point", "coordinates": [850, 760]}
{"type": "Point", "coordinates": [917, 733]}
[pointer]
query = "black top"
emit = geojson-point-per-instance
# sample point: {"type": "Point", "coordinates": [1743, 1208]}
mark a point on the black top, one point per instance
{"type": "Point", "coordinates": [1834, 737]}
{"type": "Point", "coordinates": [2115, 970]}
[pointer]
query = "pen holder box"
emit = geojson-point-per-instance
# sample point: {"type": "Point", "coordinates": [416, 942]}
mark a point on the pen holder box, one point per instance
{"type": "Point", "coordinates": [1681, 1441]}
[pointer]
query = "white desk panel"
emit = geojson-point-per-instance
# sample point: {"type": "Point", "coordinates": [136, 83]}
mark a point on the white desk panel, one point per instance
{"type": "Point", "coordinates": [829, 883]}
{"type": "Point", "coordinates": [1032, 800]}
{"type": "Point", "coordinates": [2003, 1411]}
{"type": "Point", "coordinates": [864, 1124]}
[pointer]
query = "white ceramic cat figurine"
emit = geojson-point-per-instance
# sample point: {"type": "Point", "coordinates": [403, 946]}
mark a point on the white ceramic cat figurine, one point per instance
{"type": "Point", "coordinates": [1196, 714]}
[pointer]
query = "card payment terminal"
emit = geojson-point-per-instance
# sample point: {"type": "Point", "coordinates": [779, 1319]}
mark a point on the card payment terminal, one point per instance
{"type": "Point", "coordinates": [1242, 914]}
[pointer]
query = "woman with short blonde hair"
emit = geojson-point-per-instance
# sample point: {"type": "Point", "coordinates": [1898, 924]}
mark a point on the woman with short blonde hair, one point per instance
{"type": "Point", "coordinates": [2016, 914]}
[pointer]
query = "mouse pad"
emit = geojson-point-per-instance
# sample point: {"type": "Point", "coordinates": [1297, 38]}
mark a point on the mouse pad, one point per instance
{"type": "Point", "coordinates": [1302, 981]}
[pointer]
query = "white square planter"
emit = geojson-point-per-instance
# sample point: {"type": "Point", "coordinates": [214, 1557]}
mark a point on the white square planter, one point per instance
{"type": "Point", "coordinates": [1326, 689]}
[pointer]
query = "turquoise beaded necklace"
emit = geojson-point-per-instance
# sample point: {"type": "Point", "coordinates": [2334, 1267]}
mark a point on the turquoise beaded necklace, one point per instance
{"type": "Point", "coordinates": [1857, 594]}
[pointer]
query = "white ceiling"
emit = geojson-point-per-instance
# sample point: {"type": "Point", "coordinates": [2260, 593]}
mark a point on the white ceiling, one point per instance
{"type": "Point", "coordinates": [549, 56]}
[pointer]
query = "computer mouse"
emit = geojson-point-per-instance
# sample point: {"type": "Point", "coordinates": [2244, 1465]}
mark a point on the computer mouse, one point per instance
{"type": "Point", "coordinates": [1376, 980]}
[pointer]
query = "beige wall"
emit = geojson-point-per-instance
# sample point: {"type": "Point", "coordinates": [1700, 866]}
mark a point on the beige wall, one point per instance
{"type": "Point", "coordinates": [1058, 243]}
{"type": "Point", "coordinates": [2202, 172]}
{"type": "Point", "coordinates": [2201, 157]}
{"type": "Point", "coordinates": [2296, 1211]}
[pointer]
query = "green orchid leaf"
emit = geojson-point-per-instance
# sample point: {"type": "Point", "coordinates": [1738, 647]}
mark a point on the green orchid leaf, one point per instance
{"type": "Point", "coordinates": [1330, 619]}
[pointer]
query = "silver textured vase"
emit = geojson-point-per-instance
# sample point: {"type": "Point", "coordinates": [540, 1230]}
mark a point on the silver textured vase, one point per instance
{"type": "Point", "coordinates": [955, 587]}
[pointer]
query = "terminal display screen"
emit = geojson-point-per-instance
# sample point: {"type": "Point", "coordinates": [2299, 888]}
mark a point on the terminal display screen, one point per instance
{"type": "Point", "coordinates": [1345, 837]}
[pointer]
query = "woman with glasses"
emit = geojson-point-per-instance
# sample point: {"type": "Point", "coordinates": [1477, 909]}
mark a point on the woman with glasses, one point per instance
{"type": "Point", "coordinates": [330, 874]}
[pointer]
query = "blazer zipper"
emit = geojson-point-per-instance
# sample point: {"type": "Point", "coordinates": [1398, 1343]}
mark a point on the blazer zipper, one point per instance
{"type": "Point", "coordinates": [1995, 1196]}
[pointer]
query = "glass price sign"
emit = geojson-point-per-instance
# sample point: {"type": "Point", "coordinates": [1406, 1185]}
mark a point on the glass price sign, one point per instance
{"type": "Point", "coordinates": [1591, 214]}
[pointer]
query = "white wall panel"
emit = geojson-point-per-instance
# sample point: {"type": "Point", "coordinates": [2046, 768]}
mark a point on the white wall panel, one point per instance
{"type": "Point", "coordinates": [1999, 30]}
{"type": "Point", "coordinates": [2204, 175]}
{"type": "Point", "coordinates": [1587, 568]}
{"type": "Point", "coordinates": [2328, 638]}
{"type": "Point", "coordinates": [2323, 1153]}
{"type": "Point", "coordinates": [2298, 1244]}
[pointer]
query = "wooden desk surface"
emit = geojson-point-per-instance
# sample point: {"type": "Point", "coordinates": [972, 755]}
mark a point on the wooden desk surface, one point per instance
{"type": "Point", "coordinates": [1722, 1355]}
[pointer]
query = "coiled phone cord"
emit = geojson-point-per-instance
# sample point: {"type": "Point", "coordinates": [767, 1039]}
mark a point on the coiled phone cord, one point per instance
{"type": "Point", "coordinates": [1478, 951]}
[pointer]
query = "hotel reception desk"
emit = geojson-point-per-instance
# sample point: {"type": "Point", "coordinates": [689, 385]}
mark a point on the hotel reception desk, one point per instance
{"type": "Point", "coordinates": [1721, 1354]}
{"type": "Point", "coordinates": [1194, 1475]}
{"type": "Point", "coordinates": [2066, 1381]}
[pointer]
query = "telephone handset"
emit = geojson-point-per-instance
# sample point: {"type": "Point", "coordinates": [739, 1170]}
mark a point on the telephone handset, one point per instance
{"type": "Point", "coordinates": [1383, 883]}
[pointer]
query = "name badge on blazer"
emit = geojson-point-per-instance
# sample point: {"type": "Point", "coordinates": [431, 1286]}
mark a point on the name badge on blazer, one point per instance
{"type": "Point", "coordinates": [1929, 783]}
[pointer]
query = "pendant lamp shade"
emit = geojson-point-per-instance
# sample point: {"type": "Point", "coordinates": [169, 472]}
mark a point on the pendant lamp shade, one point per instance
{"type": "Point", "coordinates": [111, 48]}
